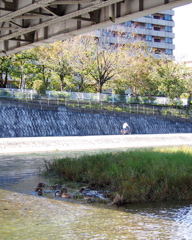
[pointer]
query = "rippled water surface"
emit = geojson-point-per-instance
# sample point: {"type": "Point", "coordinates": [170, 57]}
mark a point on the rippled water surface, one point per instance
{"type": "Point", "coordinates": [29, 216]}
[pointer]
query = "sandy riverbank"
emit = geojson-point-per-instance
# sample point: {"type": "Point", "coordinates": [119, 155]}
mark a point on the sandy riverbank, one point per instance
{"type": "Point", "coordinates": [46, 144]}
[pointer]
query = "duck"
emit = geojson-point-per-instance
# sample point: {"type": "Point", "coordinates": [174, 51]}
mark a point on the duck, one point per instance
{"type": "Point", "coordinates": [40, 192]}
{"type": "Point", "coordinates": [65, 195]}
{"type": "Point", "coordinates": [84, 190]}
{"type": "Point", "coordinates": [40, 184]}
{"type": "Point", "coordinates": [58, 193]}
{"type": "Point", "coordinates": [37, 189]}
{"type": "Point", "coordinates": [87, 197]}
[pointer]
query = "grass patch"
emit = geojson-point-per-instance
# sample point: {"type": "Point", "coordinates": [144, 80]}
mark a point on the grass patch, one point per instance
{"type": "Point", "coordinates": [136, 176]}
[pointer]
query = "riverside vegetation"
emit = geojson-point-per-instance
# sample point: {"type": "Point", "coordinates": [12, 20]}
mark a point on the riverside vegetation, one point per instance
{"type": "Point", "coordinates": [145, 175]}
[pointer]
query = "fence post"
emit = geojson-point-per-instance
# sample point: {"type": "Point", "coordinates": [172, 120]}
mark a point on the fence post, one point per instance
{"type": "Point", "coordinates": [13, 95]}
{"type": "Point", "coordinates": [98, 97]}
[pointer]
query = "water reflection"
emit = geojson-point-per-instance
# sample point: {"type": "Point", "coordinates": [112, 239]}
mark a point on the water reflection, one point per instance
{"type": "Point", "coordinates": [20, 173]}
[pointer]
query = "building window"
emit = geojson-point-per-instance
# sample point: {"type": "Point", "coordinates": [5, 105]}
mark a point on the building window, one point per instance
{"type": "Point", "coordinates": [106, 32]}
{"type": "Point", "coordinates": [157, 28]}
{"type": "Point", "coordinates": [127, 35]}
{"type": "Point", "coordinates": [168, 40]}
{"type": "Point", "coordinates": [148, 38]}
{"type": "Point", "coordinates": [167, 17]}
{"type": "Point", "coordinates": [128, 23]}
{"type": "Point", "coordinates": [168, 51]}
{"type": "Point", "coordinates": [148, 26]}
{"type": "Point", "coordinates": [157, 40]}
{"type": "Point", "coordinates": [156, 17]}
{"type": "Point", "coordinates": [168, 29]}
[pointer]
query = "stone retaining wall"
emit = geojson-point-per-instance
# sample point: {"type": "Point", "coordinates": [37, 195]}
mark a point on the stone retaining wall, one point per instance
{"type": "Point", "coordinates": [17, 103]}
{"type": "Point", "coordinates": [28, 122]}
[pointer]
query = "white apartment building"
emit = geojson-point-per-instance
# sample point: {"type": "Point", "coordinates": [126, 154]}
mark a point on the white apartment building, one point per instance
{"type": "Point", "coordinates": [156, 30]}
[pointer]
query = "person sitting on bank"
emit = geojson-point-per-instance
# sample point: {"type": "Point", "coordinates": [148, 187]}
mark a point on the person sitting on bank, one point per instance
{"type": "Point", "coordinates": [126, 126]}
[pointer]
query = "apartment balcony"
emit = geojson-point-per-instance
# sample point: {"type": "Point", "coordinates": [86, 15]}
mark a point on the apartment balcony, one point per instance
{"type": "Point", "coordinates": [113, 40]}
{"type": "Point", "coordinates": [158, 56]}
{"type": "Point", "coordinates": [169, 12]}
{"type": "Point", "coordinates": [161, 45]}
{"type": "Point", "coordinates": [155, 21]}
{"type": "Point", "coordinates": [144, 31]}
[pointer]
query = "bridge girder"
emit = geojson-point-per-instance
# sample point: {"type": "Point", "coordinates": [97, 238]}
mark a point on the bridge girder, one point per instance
{"type": "Point", "coordinates": [30, 23]}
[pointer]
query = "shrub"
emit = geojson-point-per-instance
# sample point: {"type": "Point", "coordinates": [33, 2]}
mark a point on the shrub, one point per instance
{"type": "Point", "coordinates": [4, 93]}
{"type": "Point", "coordinates": [39, 86]}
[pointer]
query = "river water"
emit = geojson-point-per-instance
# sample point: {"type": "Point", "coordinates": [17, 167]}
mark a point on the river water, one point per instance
{"type": "Point", "coordinates": [47, 217]}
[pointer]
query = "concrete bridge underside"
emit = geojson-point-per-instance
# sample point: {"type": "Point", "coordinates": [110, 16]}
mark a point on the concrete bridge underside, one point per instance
{"type": "Point", "coordinates": [30, 23]}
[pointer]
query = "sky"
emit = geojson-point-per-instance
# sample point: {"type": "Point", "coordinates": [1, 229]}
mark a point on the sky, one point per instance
{"type": "Point", "coordinates": [183, 33]}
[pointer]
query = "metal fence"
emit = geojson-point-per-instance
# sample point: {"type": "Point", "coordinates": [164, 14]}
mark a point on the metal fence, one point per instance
{"type": "Point", "coordinates": [27, 94]}
{"type": "Point", "coordinates": [97, 102]}
{"type": "Point", "coordinates": [180, 112]}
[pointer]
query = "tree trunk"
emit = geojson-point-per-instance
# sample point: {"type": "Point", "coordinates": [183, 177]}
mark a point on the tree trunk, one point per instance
{"type": "Point", "coordinates": [20, 82]}
{"type": "Point", "coordinates": [6, 79]}
{"type": "Point", "coordinates": [62, 82]}
{"type": "Point", "coordinates": [3, 82]}
{"type": "Point", "coordinates": [134, 92]}
{"type": "Point", "coordinates": [99, 87]}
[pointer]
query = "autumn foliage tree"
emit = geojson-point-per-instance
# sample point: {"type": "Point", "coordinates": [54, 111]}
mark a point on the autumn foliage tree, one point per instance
{"type": "Point", "coordinates": [96, 60]}
{"type": "Point", "coordinates": [137, 69]}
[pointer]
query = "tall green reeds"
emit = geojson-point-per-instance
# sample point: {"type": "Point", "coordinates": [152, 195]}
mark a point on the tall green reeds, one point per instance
{"type": "Point", "coordinates": [137, 176]}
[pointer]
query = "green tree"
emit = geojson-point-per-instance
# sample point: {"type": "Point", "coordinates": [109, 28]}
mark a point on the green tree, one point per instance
{"type": "Point", "coordinates": [24, 69]}
{"type": "Point", "coordinates": [137, 69]}
{"type": "Point", "coordinates": [56, 59]}
{"type": "Point", "coordinates": [174, 78]}
{"type": "Point", "coordinates": [5, 67]}
{"type": "Point", "coordinates": [39, 86]}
